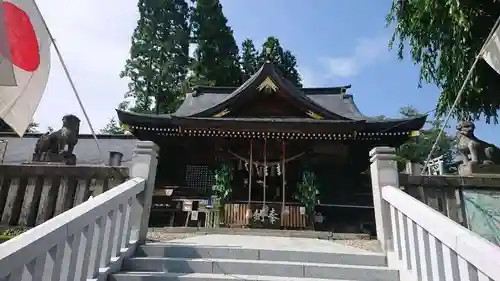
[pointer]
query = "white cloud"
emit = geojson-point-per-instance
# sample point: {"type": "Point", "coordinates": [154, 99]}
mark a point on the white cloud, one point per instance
{"type": "Point", "coordinates": [309, 77]}
{"type": "Point", "coordinates": [367, 52]}
{"type": "Point", "coordinates": [94, 38]}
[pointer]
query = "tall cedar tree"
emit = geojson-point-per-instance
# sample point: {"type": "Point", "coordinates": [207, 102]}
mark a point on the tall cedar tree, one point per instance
{"type": "Point", "coordinates": [284, 59]}
{"type": "Point", "coordinates": [216, 55]}
{"type": "Point", "coordinates": [250, 62]}
{"type": "Point", "coordinates": [251, 59]}
{"type": "Point", "coordinates": [159, 56]}
{"type": "Point", "coordinates": [113, 128]}
{"type": "Point", "coordinates": [444, 38]}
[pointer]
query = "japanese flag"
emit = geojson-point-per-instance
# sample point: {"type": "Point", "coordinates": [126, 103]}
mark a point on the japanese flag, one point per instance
{"type": "Point", "coordinates": [24, 62]}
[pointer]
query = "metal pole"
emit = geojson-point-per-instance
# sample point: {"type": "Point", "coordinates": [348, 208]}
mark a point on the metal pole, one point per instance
{"type": "Point", "coordinates": [72, 84]}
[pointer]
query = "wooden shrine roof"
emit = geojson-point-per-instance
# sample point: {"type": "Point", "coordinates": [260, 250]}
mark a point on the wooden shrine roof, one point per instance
{"type": "Point", "coordinates": [322, 111]}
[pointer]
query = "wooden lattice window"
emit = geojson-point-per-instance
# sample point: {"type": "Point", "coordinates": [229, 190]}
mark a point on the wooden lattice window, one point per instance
{"type": "Point", "coordinates": [199, 176]}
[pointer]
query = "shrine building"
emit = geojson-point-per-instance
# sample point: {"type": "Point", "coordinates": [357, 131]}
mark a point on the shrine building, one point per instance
{"type": "Point", "coordinates": [269, 132]}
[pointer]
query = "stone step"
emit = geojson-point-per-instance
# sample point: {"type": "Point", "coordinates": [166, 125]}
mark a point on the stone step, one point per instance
{"type": "Point", "coordinates": [163, 276]}
{"type": "Point", "coordinates": [211, 252]}
{"type": "Point", "coordinates": [261, 267]}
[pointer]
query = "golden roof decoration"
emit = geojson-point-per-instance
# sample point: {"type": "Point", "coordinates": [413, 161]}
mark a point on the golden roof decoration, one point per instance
{"type": "Point", "coordinates": [268, 85]}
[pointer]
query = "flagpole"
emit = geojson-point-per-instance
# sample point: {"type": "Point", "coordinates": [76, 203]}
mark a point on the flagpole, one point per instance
{"type": "Point", "coordinates": [460, 92]}
{"type": "Point", "coordinates": [75, 91]}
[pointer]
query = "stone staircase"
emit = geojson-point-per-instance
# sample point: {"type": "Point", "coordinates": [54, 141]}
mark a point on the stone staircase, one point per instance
{"type": "Point", "coordinates": [183, 262]}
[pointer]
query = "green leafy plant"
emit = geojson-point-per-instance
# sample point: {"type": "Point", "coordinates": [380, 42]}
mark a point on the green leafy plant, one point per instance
{"type": "Point", "coordinates": [222, 187]}
{"type": "Point", "coordinates": [307, 192]}
{"type": "Point", "coordinates": [221, 190]}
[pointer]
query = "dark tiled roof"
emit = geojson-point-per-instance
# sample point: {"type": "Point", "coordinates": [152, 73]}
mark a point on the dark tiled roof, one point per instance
{"type": "Point", "coordinates": [333, 104]}
{"type": "Point", "coordinates": [329, 102]}
{"type": "Point", "coordinates": [340, 104]}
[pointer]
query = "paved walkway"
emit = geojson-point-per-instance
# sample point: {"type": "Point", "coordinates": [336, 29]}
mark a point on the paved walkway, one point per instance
{"type": "Point", "coordinates": [270, 243]}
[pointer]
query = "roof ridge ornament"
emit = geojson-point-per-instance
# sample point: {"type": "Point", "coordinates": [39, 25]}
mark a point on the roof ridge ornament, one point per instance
{"type": "Point", "coordinates": [268, 54]}
{"type": "Point", "coordinates": [268, 86]}
{"type": "Point", "coordinates": [343, 92]}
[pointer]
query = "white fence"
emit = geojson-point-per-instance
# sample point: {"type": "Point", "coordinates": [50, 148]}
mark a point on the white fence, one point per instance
{"type": "Point", "coordinates": [420, 242]}
{"type": "Point", "coordinates": [90, 240]}
{"type": "Point", "coordinates": [426, 245]}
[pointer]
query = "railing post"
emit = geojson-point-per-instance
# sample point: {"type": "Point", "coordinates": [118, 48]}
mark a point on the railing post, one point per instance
{"type": "Point", "coordinates": [144, 162]}
{"type": "Point", "coordinates": [384, 171]}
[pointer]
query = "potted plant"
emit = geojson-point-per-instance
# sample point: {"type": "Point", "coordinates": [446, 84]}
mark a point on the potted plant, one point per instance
{"type": "Point", "coordinates": [307, 192]}
{"type": "Point", "coordinates": [221, 191]}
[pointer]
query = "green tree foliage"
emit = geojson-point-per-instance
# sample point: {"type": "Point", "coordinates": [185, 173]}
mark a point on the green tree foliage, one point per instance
{"type": "Point", "coordinates": [33, 127]}
{"type": "Point", "coordinates": [249, 58]}
{"type": "Point", "coordinates": [216, 56]}
{"type": "Point", "coordinates": [271, 51]}
{"type": "Point", "coordinates": [113, 128]}
{"type": "Point", "coordinates": [284, 59]}
{"type": "Point", "coordinates": [159, 56]}
{"type": "Point", "coordinates": [444, 37]}
{"type": "Point", "coordinates": [417, 148]}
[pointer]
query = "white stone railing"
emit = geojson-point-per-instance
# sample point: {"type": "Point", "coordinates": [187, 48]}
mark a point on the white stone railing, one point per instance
{"type": "Point", "coordinates": [420, 242]}
{"type": "Point", "coordinates": [90, 240]}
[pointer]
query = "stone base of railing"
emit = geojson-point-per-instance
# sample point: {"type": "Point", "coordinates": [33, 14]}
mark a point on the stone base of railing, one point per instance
{"type": "Point", "coordinates": [31, 194]}
{"type": "Point", "coordinates": [481, 170]}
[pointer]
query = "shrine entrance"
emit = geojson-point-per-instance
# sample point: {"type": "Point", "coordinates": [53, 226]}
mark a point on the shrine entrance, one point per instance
{"type": "Point", "coordinates": [264, 185]}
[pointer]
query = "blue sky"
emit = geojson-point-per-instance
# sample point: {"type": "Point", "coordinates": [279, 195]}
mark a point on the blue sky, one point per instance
{"type": "Point", "coordinates": [336, 43]}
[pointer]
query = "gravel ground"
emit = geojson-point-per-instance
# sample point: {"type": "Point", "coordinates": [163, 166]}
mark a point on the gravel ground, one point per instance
{"type": "Point", "coordinates": [161, 236]}
{"type": "Point", "coordinates": [369, 245]}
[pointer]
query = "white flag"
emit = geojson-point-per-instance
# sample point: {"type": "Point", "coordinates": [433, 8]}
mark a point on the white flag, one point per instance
{"type": "Point", "coordinates": [491, 52]}
{"type": "Point", "coordinates": [29, 46]}
{"type": "Point", "coordinates": [7, 77]}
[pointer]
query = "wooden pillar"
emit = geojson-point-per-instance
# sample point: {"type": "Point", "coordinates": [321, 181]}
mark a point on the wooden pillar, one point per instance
{"type": "Point", "coordinates": [250, 179]}
{"type": "Point", "coordinates": [283, 177]}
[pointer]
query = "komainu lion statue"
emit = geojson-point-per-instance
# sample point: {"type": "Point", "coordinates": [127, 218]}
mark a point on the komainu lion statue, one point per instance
{"type": "Point", "coordinates": [473, 150]}
{"type": "Point", "coordinates": [51, 146]}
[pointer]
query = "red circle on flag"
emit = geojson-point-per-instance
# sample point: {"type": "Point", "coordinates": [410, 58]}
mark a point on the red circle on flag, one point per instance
{"type": "Point", "coordinates": [21, 35]}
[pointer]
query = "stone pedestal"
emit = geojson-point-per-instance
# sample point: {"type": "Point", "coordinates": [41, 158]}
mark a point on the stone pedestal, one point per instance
{"type": "Point", "coordinates": [384, 172]}
{"type": "Point", "coordinates": [479, 170]}
{"type": "Point", "coordinates": [144, 162]}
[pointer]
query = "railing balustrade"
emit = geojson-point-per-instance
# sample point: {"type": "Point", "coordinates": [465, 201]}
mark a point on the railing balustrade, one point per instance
{"type": "Point", "coordinates": [422, 243]}
{"type": "Point", "coordinates": [90, 240]}
{"type": "Point", "coordinates": [31, 194]}
{"type": "Point", "coordinates": [429, 246]}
